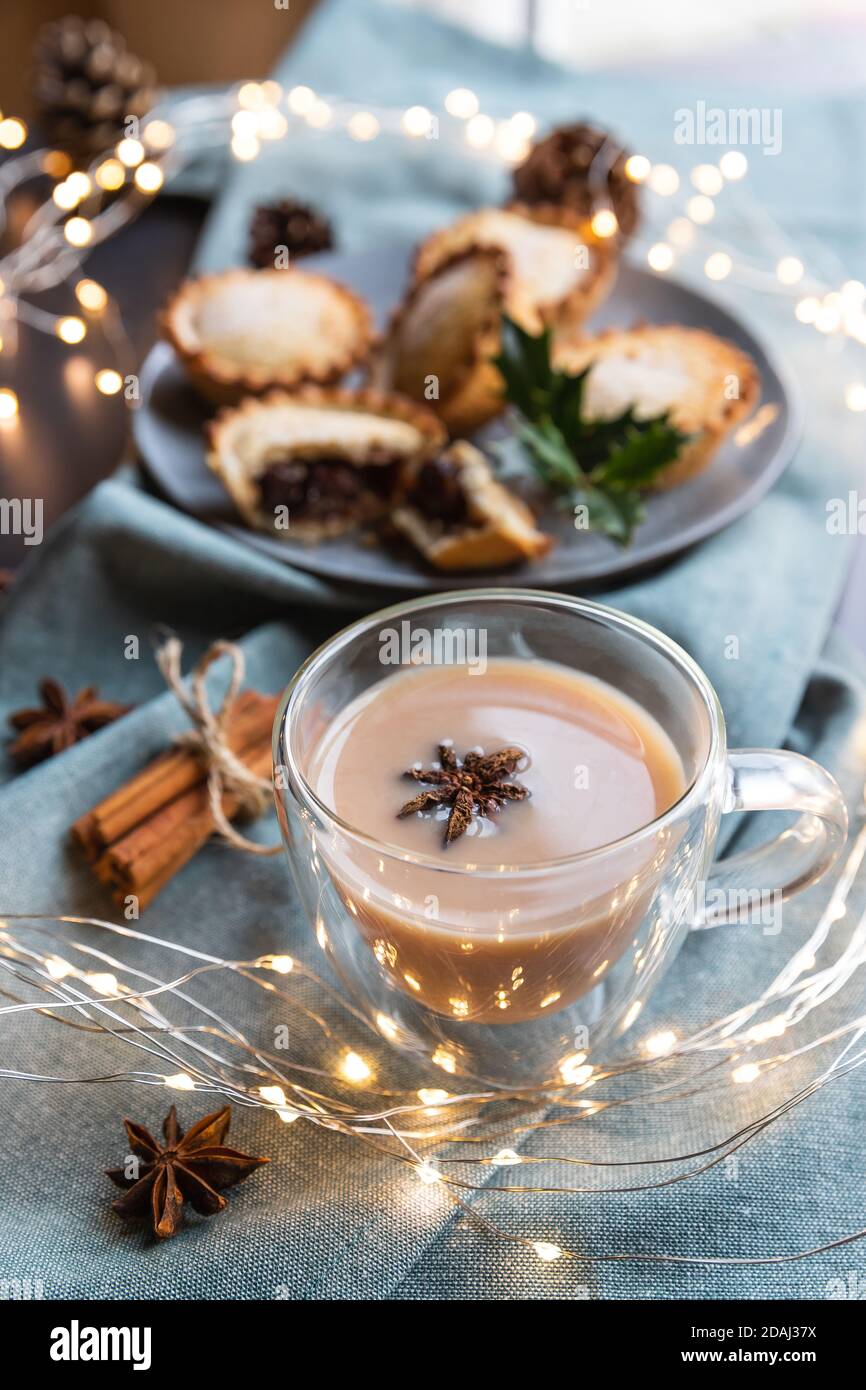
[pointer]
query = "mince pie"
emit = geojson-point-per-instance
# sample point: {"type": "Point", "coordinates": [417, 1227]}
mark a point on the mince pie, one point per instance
{"type": "Point", "coordinates": [459, 517]}
{"type": "Point", "coordinates": [557, 271]}
{"type": "Point", "coordinates": [245, 332]}
{"type": "Point", "coordinates": [318, 462]}
{"type": "Point", "coordinates": [440, 342]}
{"type": "Point", "coordinates": [704, 384]}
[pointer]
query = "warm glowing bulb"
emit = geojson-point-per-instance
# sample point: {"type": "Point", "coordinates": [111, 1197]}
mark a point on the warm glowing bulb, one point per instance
{"type": "Point", "coordinates": [245, 123]}
{"type": "Point", "coordinates": [71, 329]}
{"type": "Point", "coordinates": [523, 124]}
{"type": "Point", "coordinates": [13, 133]}
{"type": "Point", "coordinates": [771, 1028]}
{"type": "Point", "coordinates": [301, 100]}
{"type": "Point", "coordinates": [110, 175]}
{"type": "Point", "coordinates": [108, 381]}
{"type": "Point", "coordinates": [701, 209]}
{"type": "Point", "coordinates": [748, 1072]}
{"type": "Point", "coordinates": [444, 1059]}
{"type": "Point", "coordinates": [104, 983]}
{"type": "Point", "coordinates": [148, 178]}
{"type": "Point", "coordinates": [681, 232]}
{"type": "Point", "coordinates": [272, 124]}
{"type": "Point", "coordinates": [505, 1158]}
{"type": "Point", "coordinates": [660, 257]}
{"type": "Point", "coordinates": [637, 168]}
{"type": "Point", "coordinates": [130, 152]}
{"type": "Point", "coordinates": [79, 185]}
{"type": "Point", "coordinates": [480, 131]}
{"type": "Point", "coordinates": [158, 135]}
{"type": "Point", "coordinates": [461, 103]}
{"type": "Point", "coordinates": [64, 196]}
{"type": "Point", "coordinates": [386, 1026]}
{"type": "Point", "coordinates": [8, 404]}
{"type": "Point", "coordinates": [828, 318]}
{"type": "Point", "coordinates": [363, 126]}
{"type": "Point", "coordinates": [718, 266]}
{"type": "Point", "coordinates": [354, 1068]}
{"type": "Point", "coordinates": [808, 309]}
{"type": "Point", "coordinates": [790, 270]}
{"type": "Point", "coordinates": [251, 96]}
{"type": "Point", "coordinates": [57, 968]}
{"type": "Point", "coordinates": [854, 290]}
{"type": "Point", "coordinates": [660, 1044]}
{"type": "Point", "coordinates": [57, 164]}
{"type": "Point", "coordinates": [180, 1082]}
{"type": "Point", "coordinates": [275, 1095]}
{"type": "Point", "coordinates": [417, 120]}
{"type": "Point", "coordinates": [510, 145]}
{"type": "Point", "coordinates": [663, 179]}
{"type": "Point", "coordinates": [245, 147]}
{"type": "Point", "coordinates": [78, 231]}
{"type": "Point", "coordinates": [707, 179]}
{"type": "Point", "coordinates": [91, 296]}
{"type": "Point", "coordinates": [319, 115]}
{"type": "Point", "coordinates": [546, 1250]}
{"type": "Point", "coordinates": [855, 396]}
{"type": "Point", "coordinates": [284, 965]}
{"type": "Point", "coordinates": [428, 1174]}
{"type": "Point", "coordinates": [432, 1096]}
{"type": "Point", "coordinates": [604, 223]}
{"type": "Point", "coordinates": [733, 164]}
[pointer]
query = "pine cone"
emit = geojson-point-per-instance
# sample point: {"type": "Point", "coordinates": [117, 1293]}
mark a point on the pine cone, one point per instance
{"type": "Point", "coordinates": [557, 170]}
{"type": "Point", "coordinates": [288, 223]}
{"type": "Point", "coordinates": [85, 83]}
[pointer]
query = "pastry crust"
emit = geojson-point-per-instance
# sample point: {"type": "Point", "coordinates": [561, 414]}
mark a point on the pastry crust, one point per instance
{"type": "Point", "coordinates": [245, 332]}
{"type": "Point", "coordinates": [686, 372]}
{"type": "Point", "coordinates": [501, 528]}
{"type": "Point", "coordinates": [546, 283]}
{"type": "Point", "coordinates": [444, 335]}
{"type": "Point", "coordinates": [364, 428]}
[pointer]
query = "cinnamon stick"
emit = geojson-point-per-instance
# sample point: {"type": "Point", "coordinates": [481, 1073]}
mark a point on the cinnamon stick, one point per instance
{"type": "Point", "coordinates": [169, 777]}
{"type": "Point", "coordinates": [142, 862]}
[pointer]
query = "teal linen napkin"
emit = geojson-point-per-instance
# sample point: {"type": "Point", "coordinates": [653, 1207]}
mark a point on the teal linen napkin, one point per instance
{"type": "Point", "coordinates": [326, 1219]}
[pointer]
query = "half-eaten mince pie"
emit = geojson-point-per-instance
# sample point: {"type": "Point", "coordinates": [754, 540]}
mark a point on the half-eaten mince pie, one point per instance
{"type": "Point", "coordinates": [245, 332]}
{"type": "Point", "coordinates": [557, 271]}
{"type": "Point", "coordinates": [460, 518]}
{"type": "Point", "coordinates": [317, 462]}
{"type": "Point", "coordinates": [439, 344]}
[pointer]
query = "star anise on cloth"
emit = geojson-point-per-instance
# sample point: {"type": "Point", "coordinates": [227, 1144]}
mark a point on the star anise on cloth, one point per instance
{"type": "Point", "coordinates": [472, 786]}
{"type": "Point", "coordinates": [59, 722]}
{"type": "Point", "coordinates": [193, 1167]}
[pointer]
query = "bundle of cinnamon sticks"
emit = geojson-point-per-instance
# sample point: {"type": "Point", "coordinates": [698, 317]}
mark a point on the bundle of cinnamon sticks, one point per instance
{"type": "Point", "coordinates": [140, 836]}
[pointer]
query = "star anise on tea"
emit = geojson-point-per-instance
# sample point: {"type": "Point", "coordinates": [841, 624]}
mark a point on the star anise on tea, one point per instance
{"type": "Point", "coordinates": [194, 1167]}
{"type": "Point", "coordinates": [59, 722]}
{"type": "Point", "coordinates": [473, 786]}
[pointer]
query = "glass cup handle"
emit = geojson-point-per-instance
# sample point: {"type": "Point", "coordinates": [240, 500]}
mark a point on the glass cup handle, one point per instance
{"type": "Point", "coordinates": [761, 779]}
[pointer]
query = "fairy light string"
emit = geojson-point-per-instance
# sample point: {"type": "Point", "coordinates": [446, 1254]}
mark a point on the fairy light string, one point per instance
{"type": "Point", "coordinates": [86, 206]}
{"type": "Point", "coordinates": [187, 1045]}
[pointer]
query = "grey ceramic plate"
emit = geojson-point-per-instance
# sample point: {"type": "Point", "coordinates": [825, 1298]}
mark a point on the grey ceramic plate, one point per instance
{"type": "Point", "coordinates": [168, 434]}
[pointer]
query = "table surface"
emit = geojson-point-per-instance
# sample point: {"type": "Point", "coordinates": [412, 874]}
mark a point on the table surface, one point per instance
{"type": "Point", "coordinates": [69, 437]}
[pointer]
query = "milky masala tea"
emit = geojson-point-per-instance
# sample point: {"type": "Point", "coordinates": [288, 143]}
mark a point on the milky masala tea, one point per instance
{"type": "Point", "coordinates": [518, 763]}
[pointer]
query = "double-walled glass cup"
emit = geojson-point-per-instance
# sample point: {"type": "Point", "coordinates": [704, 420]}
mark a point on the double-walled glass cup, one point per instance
{"type": "Point", "coordinates": [524, 982]}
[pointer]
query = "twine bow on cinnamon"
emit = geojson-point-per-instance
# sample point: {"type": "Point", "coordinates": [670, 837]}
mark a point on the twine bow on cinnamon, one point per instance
{"type": "Point", "coordinates": [226, 773]}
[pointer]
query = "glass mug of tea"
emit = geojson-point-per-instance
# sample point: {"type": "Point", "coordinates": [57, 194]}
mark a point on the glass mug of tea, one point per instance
{"type": "Point", "coordinates": [500, 809]}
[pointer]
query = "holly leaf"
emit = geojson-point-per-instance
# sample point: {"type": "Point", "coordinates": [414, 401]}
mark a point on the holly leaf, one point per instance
{"type": "Point", "coordinates": [613, 514]}
{"type": "Point", "coordinates": [636, 459]}
{"type": "Point", "coordinates": [554, 460]}
{"type": "Point", "coordinates": [599, 465]}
